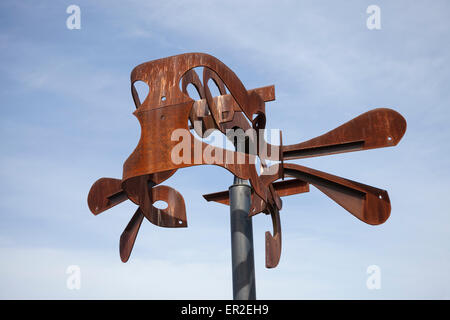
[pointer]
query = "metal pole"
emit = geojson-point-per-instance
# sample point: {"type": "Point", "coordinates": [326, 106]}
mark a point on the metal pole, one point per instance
{"type": "Point", "coordinates": [242, 257]}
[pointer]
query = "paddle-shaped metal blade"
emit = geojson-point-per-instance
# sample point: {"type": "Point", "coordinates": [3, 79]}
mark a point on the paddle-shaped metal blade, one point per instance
{"type": "Point", "coordinates": [105, 193]}
{"type": "Point", "coordinates": [129, 235]}
{"type": "Point", "coordinates": [369, 204]}
{"type": "Point", "coordinates": [377, 128]}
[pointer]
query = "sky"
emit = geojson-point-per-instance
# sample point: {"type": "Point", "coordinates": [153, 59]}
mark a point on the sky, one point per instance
{"type": "Point", "coordinates": [66, 120]}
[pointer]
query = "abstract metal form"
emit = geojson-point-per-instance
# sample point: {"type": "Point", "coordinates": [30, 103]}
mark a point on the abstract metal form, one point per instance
{"type": "Point", "coordinates": [168, 107]}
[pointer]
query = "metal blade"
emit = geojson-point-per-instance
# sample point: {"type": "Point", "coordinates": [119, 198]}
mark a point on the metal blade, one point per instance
{"type": "Point", "coordinates": [129, 235]}
{"type": "Point", "coordinates": [377, 128]}
{"type": "Point", "coordinates": [105, 193]}
{"type": "Point", "coordinates": [273, 243]}
{"type": "Point", "coordinates": [369, 204]}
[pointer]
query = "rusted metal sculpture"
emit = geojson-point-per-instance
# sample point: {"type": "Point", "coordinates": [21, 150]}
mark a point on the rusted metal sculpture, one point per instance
{"type": "Point", "coordinates": [169, 107]}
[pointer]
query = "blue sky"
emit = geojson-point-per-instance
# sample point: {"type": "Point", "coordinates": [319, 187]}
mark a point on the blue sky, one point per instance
{"type": "Point", "coordinates": [67, 120]}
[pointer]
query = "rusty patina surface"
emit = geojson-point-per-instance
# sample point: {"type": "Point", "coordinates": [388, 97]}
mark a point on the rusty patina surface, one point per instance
{"type": "Point", "coordinates": [168, 107]}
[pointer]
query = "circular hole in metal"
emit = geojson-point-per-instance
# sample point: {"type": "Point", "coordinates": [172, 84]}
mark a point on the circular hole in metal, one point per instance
{"type": "Point", "coordinates": [163, 98]}
{"type": "Point", "coordinates": [389, 138]}
{"type": "Point", "coordinates": [380, 196]}
{"type": "Point", "coordinates": [180, 222]}
{"type": "Point", "coordinates": [160, 204]}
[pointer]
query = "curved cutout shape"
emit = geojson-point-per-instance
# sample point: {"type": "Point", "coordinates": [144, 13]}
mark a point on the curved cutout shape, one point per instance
{"type": "Point", "coordinates": [139, 91]}
{"type": "Point", "coordinates": [199, 112]}
{"type": "Point", "coordinates": [160, 204]}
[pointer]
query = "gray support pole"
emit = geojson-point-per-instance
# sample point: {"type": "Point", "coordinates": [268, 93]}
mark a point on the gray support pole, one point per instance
{"type": "Point", "coordinates": [242, 257]}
